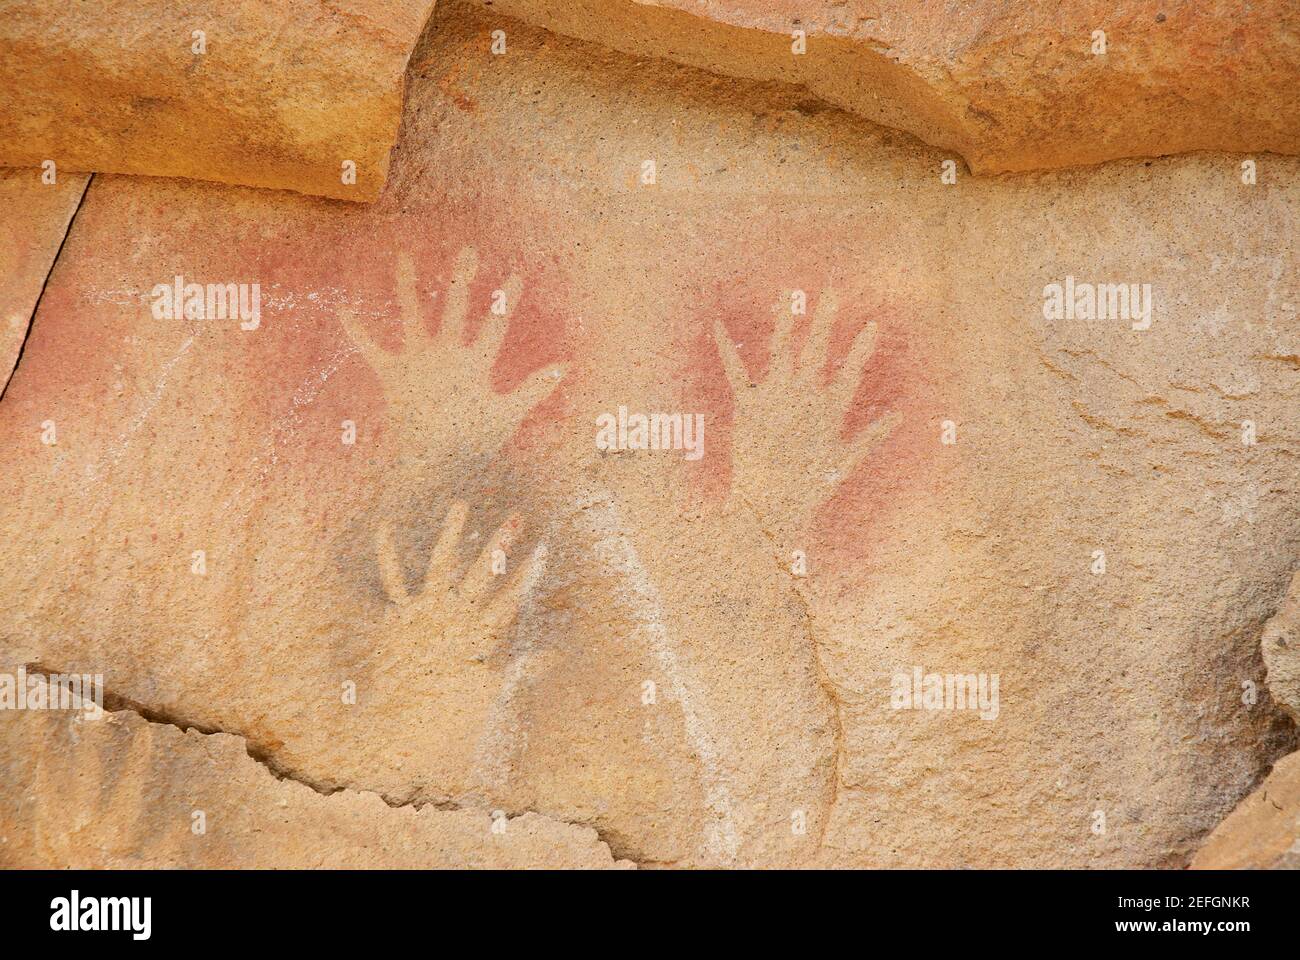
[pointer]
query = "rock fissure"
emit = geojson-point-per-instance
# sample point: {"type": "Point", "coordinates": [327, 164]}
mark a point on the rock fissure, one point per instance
{"type": "Point", "coordinates": [116, 703]}
{"type": "Point", "coordinates": [31, 319]}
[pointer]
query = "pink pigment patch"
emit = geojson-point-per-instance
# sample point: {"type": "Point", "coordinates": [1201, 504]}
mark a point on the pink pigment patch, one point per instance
{"type": "Point", "coordinates": [896, 381]}
{"type": "Point", "coordinates": [354, 266]}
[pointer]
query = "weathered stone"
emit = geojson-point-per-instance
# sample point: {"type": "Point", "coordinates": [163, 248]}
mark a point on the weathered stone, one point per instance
{"type": "Point", "coordinates": [277, 93]}
{"type": "Point", "coordinates": [119, 791]}
{"type": "Point", "coordinates": [34, 219]}
{"type": "Point", "coordinates": [1008, 86]}
{"type": "Point", "coordinates": [700, 658]}
{"type": "Point", "coordinates": [1281, 648]}
{"type": "Point", "coordinates": [1263, 833]}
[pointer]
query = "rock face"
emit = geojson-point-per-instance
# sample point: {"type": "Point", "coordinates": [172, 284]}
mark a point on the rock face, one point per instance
{"type": "Point", "coordinates": [1281, 649]}
{"type": "Point", "coordinates": [965, 506]}
{"type": "Point", "coordinates": [1264, 831]}
{"type": "Point", "coordinates": [279, 93]}
{"type": "Point", "coordinates": [34, 219]}
{"type": "Point", "coordinates": [118, 791]}
{"type": "Point", "coordinates": [287, 93]}
{"type": "Point", "coordinates": [1008, 86]}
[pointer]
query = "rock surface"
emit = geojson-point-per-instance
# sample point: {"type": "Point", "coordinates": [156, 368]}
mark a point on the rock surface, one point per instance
{"type": "Point", "coordinates": [284, 93]}
{"type": "Point", "coordinates": [34, 219]}
{"type": "Point", "coordinates": [1263, 833]}
{"type": "Point", "coordinates": [121, 792]}
{"type": "Point", "coordinates": [1281, 648]}
{"type": "Point", "coordinates": [1008, 86]}
{"type": "Point", "coordinates": [277, 93]}
{"type": "Point", "coordinates": [370, 531]}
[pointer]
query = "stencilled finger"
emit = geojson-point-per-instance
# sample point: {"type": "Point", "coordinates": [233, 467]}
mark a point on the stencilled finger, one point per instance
{"type": "Point", "coordinates": [819, 336]}
{"type": "Point", "coordinates": [408, 300]}
{"type": "Point", "coordinates": [847, 378]}
{"type": "Point", "coordinates": [783, 358]}
{"type": "Point", "coordinates": [493, 330]}
{"type": "Point", "coordinates": [492, 563]}
{"type": "Point", "coordinates": [867, 440]}
{"type": "Point", "coordinates": [390, 566]}
{"type": "Point", "coordinates": [536, 387]}
{"type": "Point", "coordinates": [457, 306]}
{"type": "Point", "coordinates": [732, 364]}
{"type": "Point", "coordinates": [443, 556]}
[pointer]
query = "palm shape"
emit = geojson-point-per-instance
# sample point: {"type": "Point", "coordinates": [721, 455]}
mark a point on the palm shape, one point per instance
{"type": "Point", "coordinates": [439, 387]}
{"type": "Point", "coordinates": [787, 455]}
{"type": "Point", "coordinates": [461, 619]}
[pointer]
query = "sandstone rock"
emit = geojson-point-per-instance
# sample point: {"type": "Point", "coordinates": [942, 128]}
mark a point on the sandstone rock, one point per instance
{"type": "Point", "coordinates": [1263, 833]}
{"type": "Point", "coordinates": [1008, 86]}
{"type": "Point", "coordinates": [368, 530]}
{"type": "Point", "coordinates": [279, 93]}
{"type": "Point", "coordinates": [121, 792]}
{"type": "Point", "coordinates": [1281, 648]}
{"type": "Point", "coordinates": [34, 219]}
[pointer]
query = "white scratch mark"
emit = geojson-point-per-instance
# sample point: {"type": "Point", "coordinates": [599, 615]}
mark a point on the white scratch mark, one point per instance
{"type": "Point", "coordinates": [95, 471]}
{"type": "Point", "coordinates": [285, 427]}
{"type": "Point", "coordinates": [616, 552]}
{"type": "Point", "coordinates": [503, 735]}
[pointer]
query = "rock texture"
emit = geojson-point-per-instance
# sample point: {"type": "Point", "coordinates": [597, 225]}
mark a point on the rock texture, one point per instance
{"type": "Point", "coordinates": [1008, 86]}
{"type": "Point", "coordinates": [277, 93]}
{"type": "Point", "coordinates": [369, 533]}
{"type": "Point", "coordinates": [1281, 648]}
{"type": "Point", "coordinates": [1264, 831]}
{"type": "Point", "coordinates": [34, 219]}
{"type": "Point", "coordinates": [284, 93]}
{"type": "Point", "coordinates": [121, 792]}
